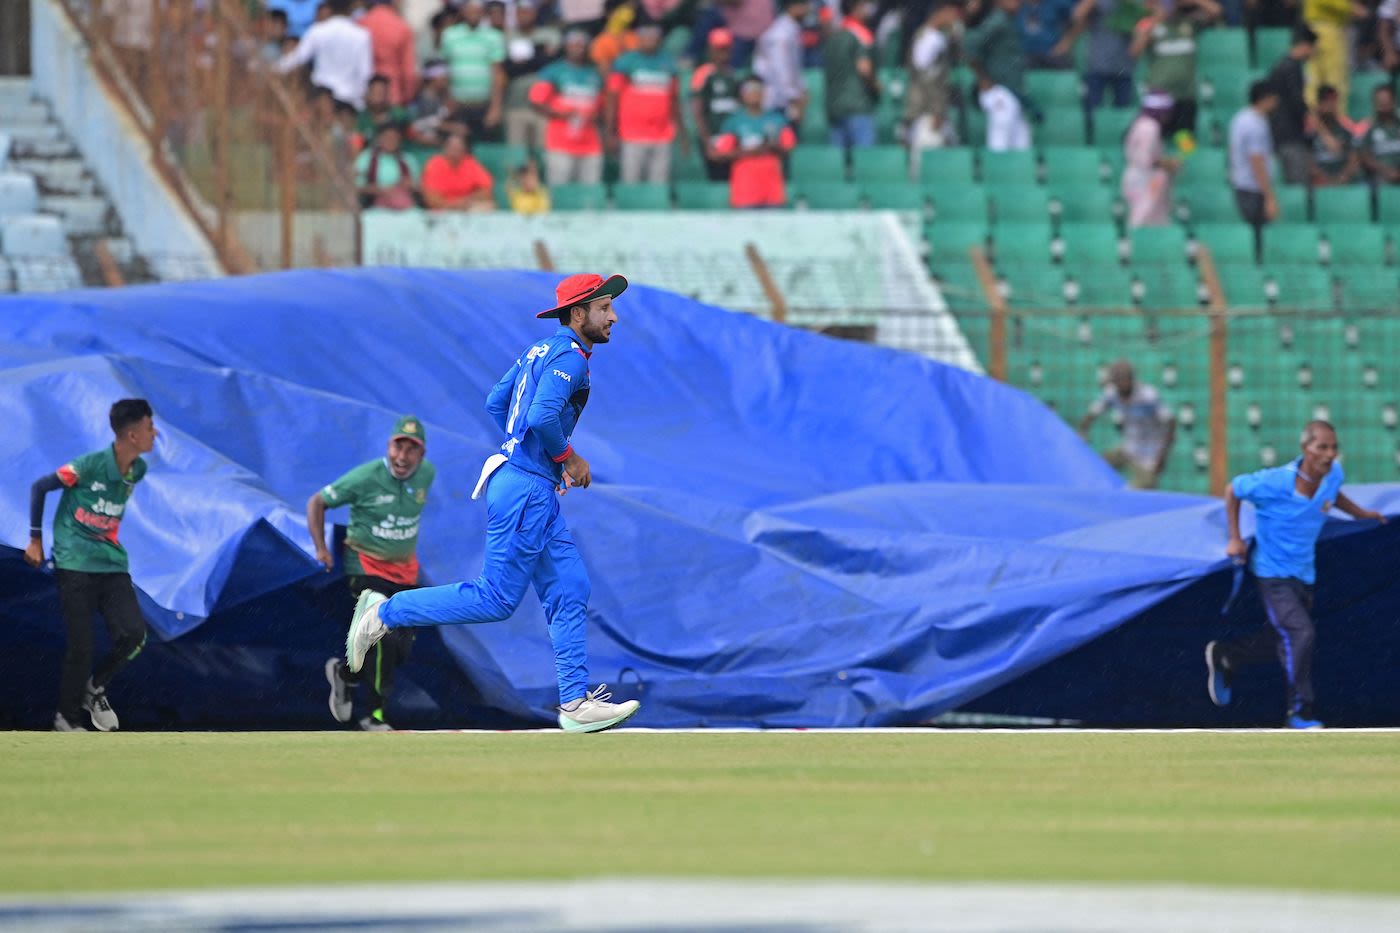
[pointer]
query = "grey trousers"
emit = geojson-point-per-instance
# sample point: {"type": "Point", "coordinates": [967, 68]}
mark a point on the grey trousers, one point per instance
{"type": "Point", "coordinates": [1290, 638]}
{"type": "Point", "coordinates": [645, 162]}
{"type": "Point", "coordinates": [560, 168]}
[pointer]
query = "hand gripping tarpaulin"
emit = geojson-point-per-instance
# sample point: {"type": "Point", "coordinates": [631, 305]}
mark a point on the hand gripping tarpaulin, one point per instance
{"type": "Point", "coordinates": [784, 529]}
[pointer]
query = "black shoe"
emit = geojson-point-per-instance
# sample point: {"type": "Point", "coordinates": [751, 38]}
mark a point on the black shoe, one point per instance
{"type": "Point", "coordinates": [1217, 674]}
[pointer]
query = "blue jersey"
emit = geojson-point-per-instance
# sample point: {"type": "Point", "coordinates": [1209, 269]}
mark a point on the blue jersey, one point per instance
{"type": "Point", "coordinates": [1287, 523]}
{"type": "Point", "coordinates": [538, 402]}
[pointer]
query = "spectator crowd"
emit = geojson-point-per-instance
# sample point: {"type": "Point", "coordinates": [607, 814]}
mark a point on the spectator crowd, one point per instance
{"type": "Point", "coordinates": [582, 83]}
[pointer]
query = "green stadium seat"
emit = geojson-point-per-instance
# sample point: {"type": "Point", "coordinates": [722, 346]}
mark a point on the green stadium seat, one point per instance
{"type": "Point", "coordinates": [1222, 45]}
{"type": "Point", "coordinates": [702, 195]}
{"type": "Point", "coordinates": [1270, 44]}
{"type": "Point", "coordinates": [499, 158]}
{"type": "Point", "coordinates": [1103, 286]}
{"type": "Point", "coordinates": [1110, 126]}
{"type": "Point", "coordinates": [578, 197]}
{"type": "Point", "coordinates": [947, 166]}
{"type": "Point", "coordinates": [1206, 168]}
{"type": "Point", "coordinates": [1290, 243]}
{"type": "Point", "coordinates": [1230, 243]}
{"type": "Point", "coordinates": [1080, 203]}
{"type": "Point", "coordinates": [817, 163]}
{"type": "Point", "coordinates": [1158, 245]}
{"type": "Point", "coordinates": [1085, 243]}
{"type": "Point", "coordinates": [1349, 204]}
{"type": "Point", "coordinates": [893, 196]}
{"type": "Point", "coordinates": [959, 202]}
{"type": "Point", "coordinates": [1301, 288]}
{"type": "Point", "coordinates": [973, 128]}
{"type": "Point", "coordinates": [1057, 92]}
{"type": "Point", "coordinates": [1292, 205]}
{"type": "Point", "coordinates": [880, 164]}
{"type": "Point", "coordinates": [1164, 288]}
{"type": "Point", "coordinates": [826, 195]}
{"type": "Point", "coordinates": [1359, 95]}
{"type": "Point", "coordinates": [641, 197]}
{"type": "Point", "coordinates": [1376, 290]}
{"type": "Point", "coordinates": [1063, 128]}
{"type": "Point", "coordinates": [962, 289]}
{"type": "Point", "coordinates": [1033, 285]}
{"type": "Point", "coordinates": [1388, 206]}
{"type": "Point", "coordinates": [949, 243]}
{"type": "Point", "coordinates": [1352, 244]}
{"type": "Point", "coordinates": [1224, 90]}
{"type": "Point", "coordinates": [1207, 205]}
{"type": "Point", "coordinates": [1026, 241]}
{"type": "Point", "coordinates": [1018, 202]}
{"type": "Point", "coordinates": [1072, 165]}
{"type": "Point", "coordinates": [1008, 168]}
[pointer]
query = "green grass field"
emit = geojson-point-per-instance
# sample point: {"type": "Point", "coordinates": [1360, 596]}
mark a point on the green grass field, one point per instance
{"type": "Point", "coordinates": [137, 811]}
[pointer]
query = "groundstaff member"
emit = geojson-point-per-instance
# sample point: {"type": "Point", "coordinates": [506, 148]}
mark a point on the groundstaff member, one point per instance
{"type": "Point", "coordinates": [1291, 504]}
{"type": "Point", "coordinates": [537, 403]}
{"type": "Point", "coordinates": [386, 498]}
{"type": "Point", "coordinates": [91, 565]}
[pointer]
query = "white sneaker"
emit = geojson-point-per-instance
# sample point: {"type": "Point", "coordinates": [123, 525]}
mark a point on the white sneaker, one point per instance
{"type": "Point", "coordinates": [341, 700]}
{"type": "Point", "coordinates": [365, 629]}
{"type": "Point", "coordinates": [103, 716]}
{"type": "Point", "coordinates": [370, 724]}
{"type": "Point", "coordinates": [61, 724]}
{"type": "Point", "coordinates": [594, 713]}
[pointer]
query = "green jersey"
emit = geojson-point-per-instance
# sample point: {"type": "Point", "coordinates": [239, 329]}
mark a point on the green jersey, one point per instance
{"type": "Point", "coordinates": [1171, 58]}
{"type": "Point", "coordinates": [1382, 141]}
{"type": "Point", "coordinates": [847, 94]}
{"type": "Point", "coordinates": [90, 512]}
{"type": "Point", "coordinates": [718, 93]}
{"type": "Point", "coordinates": [382, 540]}
{"type": "Point", "coordinates": [470, 55]}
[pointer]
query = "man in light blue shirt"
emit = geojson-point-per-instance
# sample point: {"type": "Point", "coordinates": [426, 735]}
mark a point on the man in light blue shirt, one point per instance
{"type": "Point", "coordinates": [1252, 161]}
{"type": "Point", "coordinates": [1291, 504]}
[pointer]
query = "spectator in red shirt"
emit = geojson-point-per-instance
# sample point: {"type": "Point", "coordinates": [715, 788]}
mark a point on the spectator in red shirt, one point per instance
{"type": "Point", "coordinates": [755, 141]}
{"type": "Point", "coordinates": [644, 109]}
{"type": "Point", "coordinates": [455, 181]}
{"type": "Point", "coordinates": [569, 93]}
{"type": "Point", "coordinates": [391, 43]}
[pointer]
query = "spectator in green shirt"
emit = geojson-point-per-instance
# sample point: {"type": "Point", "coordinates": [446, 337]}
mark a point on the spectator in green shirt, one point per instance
{"type": "Point", "coordinates": [386, 176]}
{"type": "Point", "coordinates": [1380, 147]}
{"type": "Point", "coordinates": [1168, 38]}
{"type": "Point", "coordinates": [378, 110]}
{"type": "Point", "coordinates": [90, 564]}
{"type": "Point", "coordinates": [475, 54]}
{"type": "Point", "coordinates": [1335, 160]}
{"type": "Point", "coordinates": [852, 85]}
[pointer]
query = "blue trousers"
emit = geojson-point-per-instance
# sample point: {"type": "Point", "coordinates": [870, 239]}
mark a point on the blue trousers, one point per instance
{"type": "Point", "coordinates": [526, 542]}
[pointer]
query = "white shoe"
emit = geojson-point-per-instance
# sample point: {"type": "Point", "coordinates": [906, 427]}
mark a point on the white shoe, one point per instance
{"type": "Point", "coordinates": [104, 718]}
{"type": "Point", "coordinates": [61, 724]}
{"type": "Point", "coordinates": [594, 713]}
{"type": "Point", "coordinates": [341, 700]}
{"type": "Point", "coordinates": [365, 629]}
{"type": "Point", "coordinates": [370, 724]}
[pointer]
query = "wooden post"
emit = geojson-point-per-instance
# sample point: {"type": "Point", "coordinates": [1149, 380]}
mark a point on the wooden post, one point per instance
{"type": "Point", "coordinates": [1219, 361]}
{"type": "Point", "coordinates": [223, 192]}
{"type": "Point", "coordinates": [287, 187]}
{"type": "Point", "coordinates": [111, 272]}
{"type": "Point", "coordinates": [987, 278]}
{"type": "Point", "coordinates": [776, 301]}
{"type": "Point", "coordinates": [542, 257]}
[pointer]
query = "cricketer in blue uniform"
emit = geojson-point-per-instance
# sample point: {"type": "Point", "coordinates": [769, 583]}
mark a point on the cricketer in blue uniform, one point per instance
{"type": "Point", "coordinates": [537, 404]}
{"type": "Point", "coordinates": [1291, 504]}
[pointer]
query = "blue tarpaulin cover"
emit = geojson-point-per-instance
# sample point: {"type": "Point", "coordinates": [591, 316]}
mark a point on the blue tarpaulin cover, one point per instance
{"type": "Point", "coordinates": [784, 529]}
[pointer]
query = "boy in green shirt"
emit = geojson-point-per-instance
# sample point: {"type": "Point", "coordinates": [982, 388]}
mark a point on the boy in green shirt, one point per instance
{"type": "Point", "coordinates": [386, 498]}
{"type": "Point", "coordinates": [90, 564]}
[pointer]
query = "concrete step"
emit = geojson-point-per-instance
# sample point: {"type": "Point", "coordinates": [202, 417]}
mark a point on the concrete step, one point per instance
{"type": "Point", "coordinates": [58, 176]}
{"type": "Point", "coordinates": [14, 112]}
{"type": "Point", "coordinates": [15, 89]}
{"type": "Point", "coordinates": [49, 146]}
{"type": "Point", "coordinates": [82, 216]}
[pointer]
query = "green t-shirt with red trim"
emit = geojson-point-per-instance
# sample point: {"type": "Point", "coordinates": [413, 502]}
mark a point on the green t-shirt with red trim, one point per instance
{"type": "Point", "coordinates": [90, 512]}
{"type": "Point", "coordinates": [382, 540]}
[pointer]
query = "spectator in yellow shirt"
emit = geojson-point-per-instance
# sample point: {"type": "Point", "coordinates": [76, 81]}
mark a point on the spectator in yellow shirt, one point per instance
{"type": "Point", "coordinates": [527, 195]}
{"type": "Point", "coordinates": [1331, 20]}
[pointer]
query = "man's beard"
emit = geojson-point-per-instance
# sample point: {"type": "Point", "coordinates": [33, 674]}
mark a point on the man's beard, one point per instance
{"type": "Point", "coordinates": [596, 334]}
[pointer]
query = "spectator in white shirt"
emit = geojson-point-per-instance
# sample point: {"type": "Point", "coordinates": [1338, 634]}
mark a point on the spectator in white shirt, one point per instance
{"type": "Point", "coordinates": [777, 59]}
{"type": "Point", "coordinates": [340, 53]}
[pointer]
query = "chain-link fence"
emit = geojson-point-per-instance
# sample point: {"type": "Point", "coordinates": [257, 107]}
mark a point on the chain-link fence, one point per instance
{"type": "Point", "coordinates": [247, 151]}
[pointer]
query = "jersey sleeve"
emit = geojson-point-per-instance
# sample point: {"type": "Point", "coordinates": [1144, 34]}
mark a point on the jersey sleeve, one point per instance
{"type": "Point", "coordinates": [1253, 487]}
{"type": "Point", "coordinates": [544, 90]}
{"type": "Point", "coordinates": [346, 490]}
{"type": "Point", "coordinates": [559, 377]}
{"type": "Point", "coordinates": [498, 399]}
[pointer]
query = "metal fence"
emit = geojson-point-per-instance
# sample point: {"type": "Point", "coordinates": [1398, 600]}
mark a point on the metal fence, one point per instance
{"type": "Point", "coordinates": [242, 146]}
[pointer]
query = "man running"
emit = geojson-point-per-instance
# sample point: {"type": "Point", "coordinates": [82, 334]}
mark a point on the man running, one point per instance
{"type": "Point", "coordinates": [1291, 504]}
{"type": "Point", "coordinates": [91, 564]}
{"type": "Point", "coordinates": [386, 498]}
{"type": "Point", "coordinates": [537, 403]}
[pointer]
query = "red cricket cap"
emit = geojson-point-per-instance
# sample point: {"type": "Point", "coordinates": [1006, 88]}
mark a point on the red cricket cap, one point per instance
{"type": "Point", "coordinates": [721, 37]}
{"type": "Point", "coordinates": [581, 289]}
